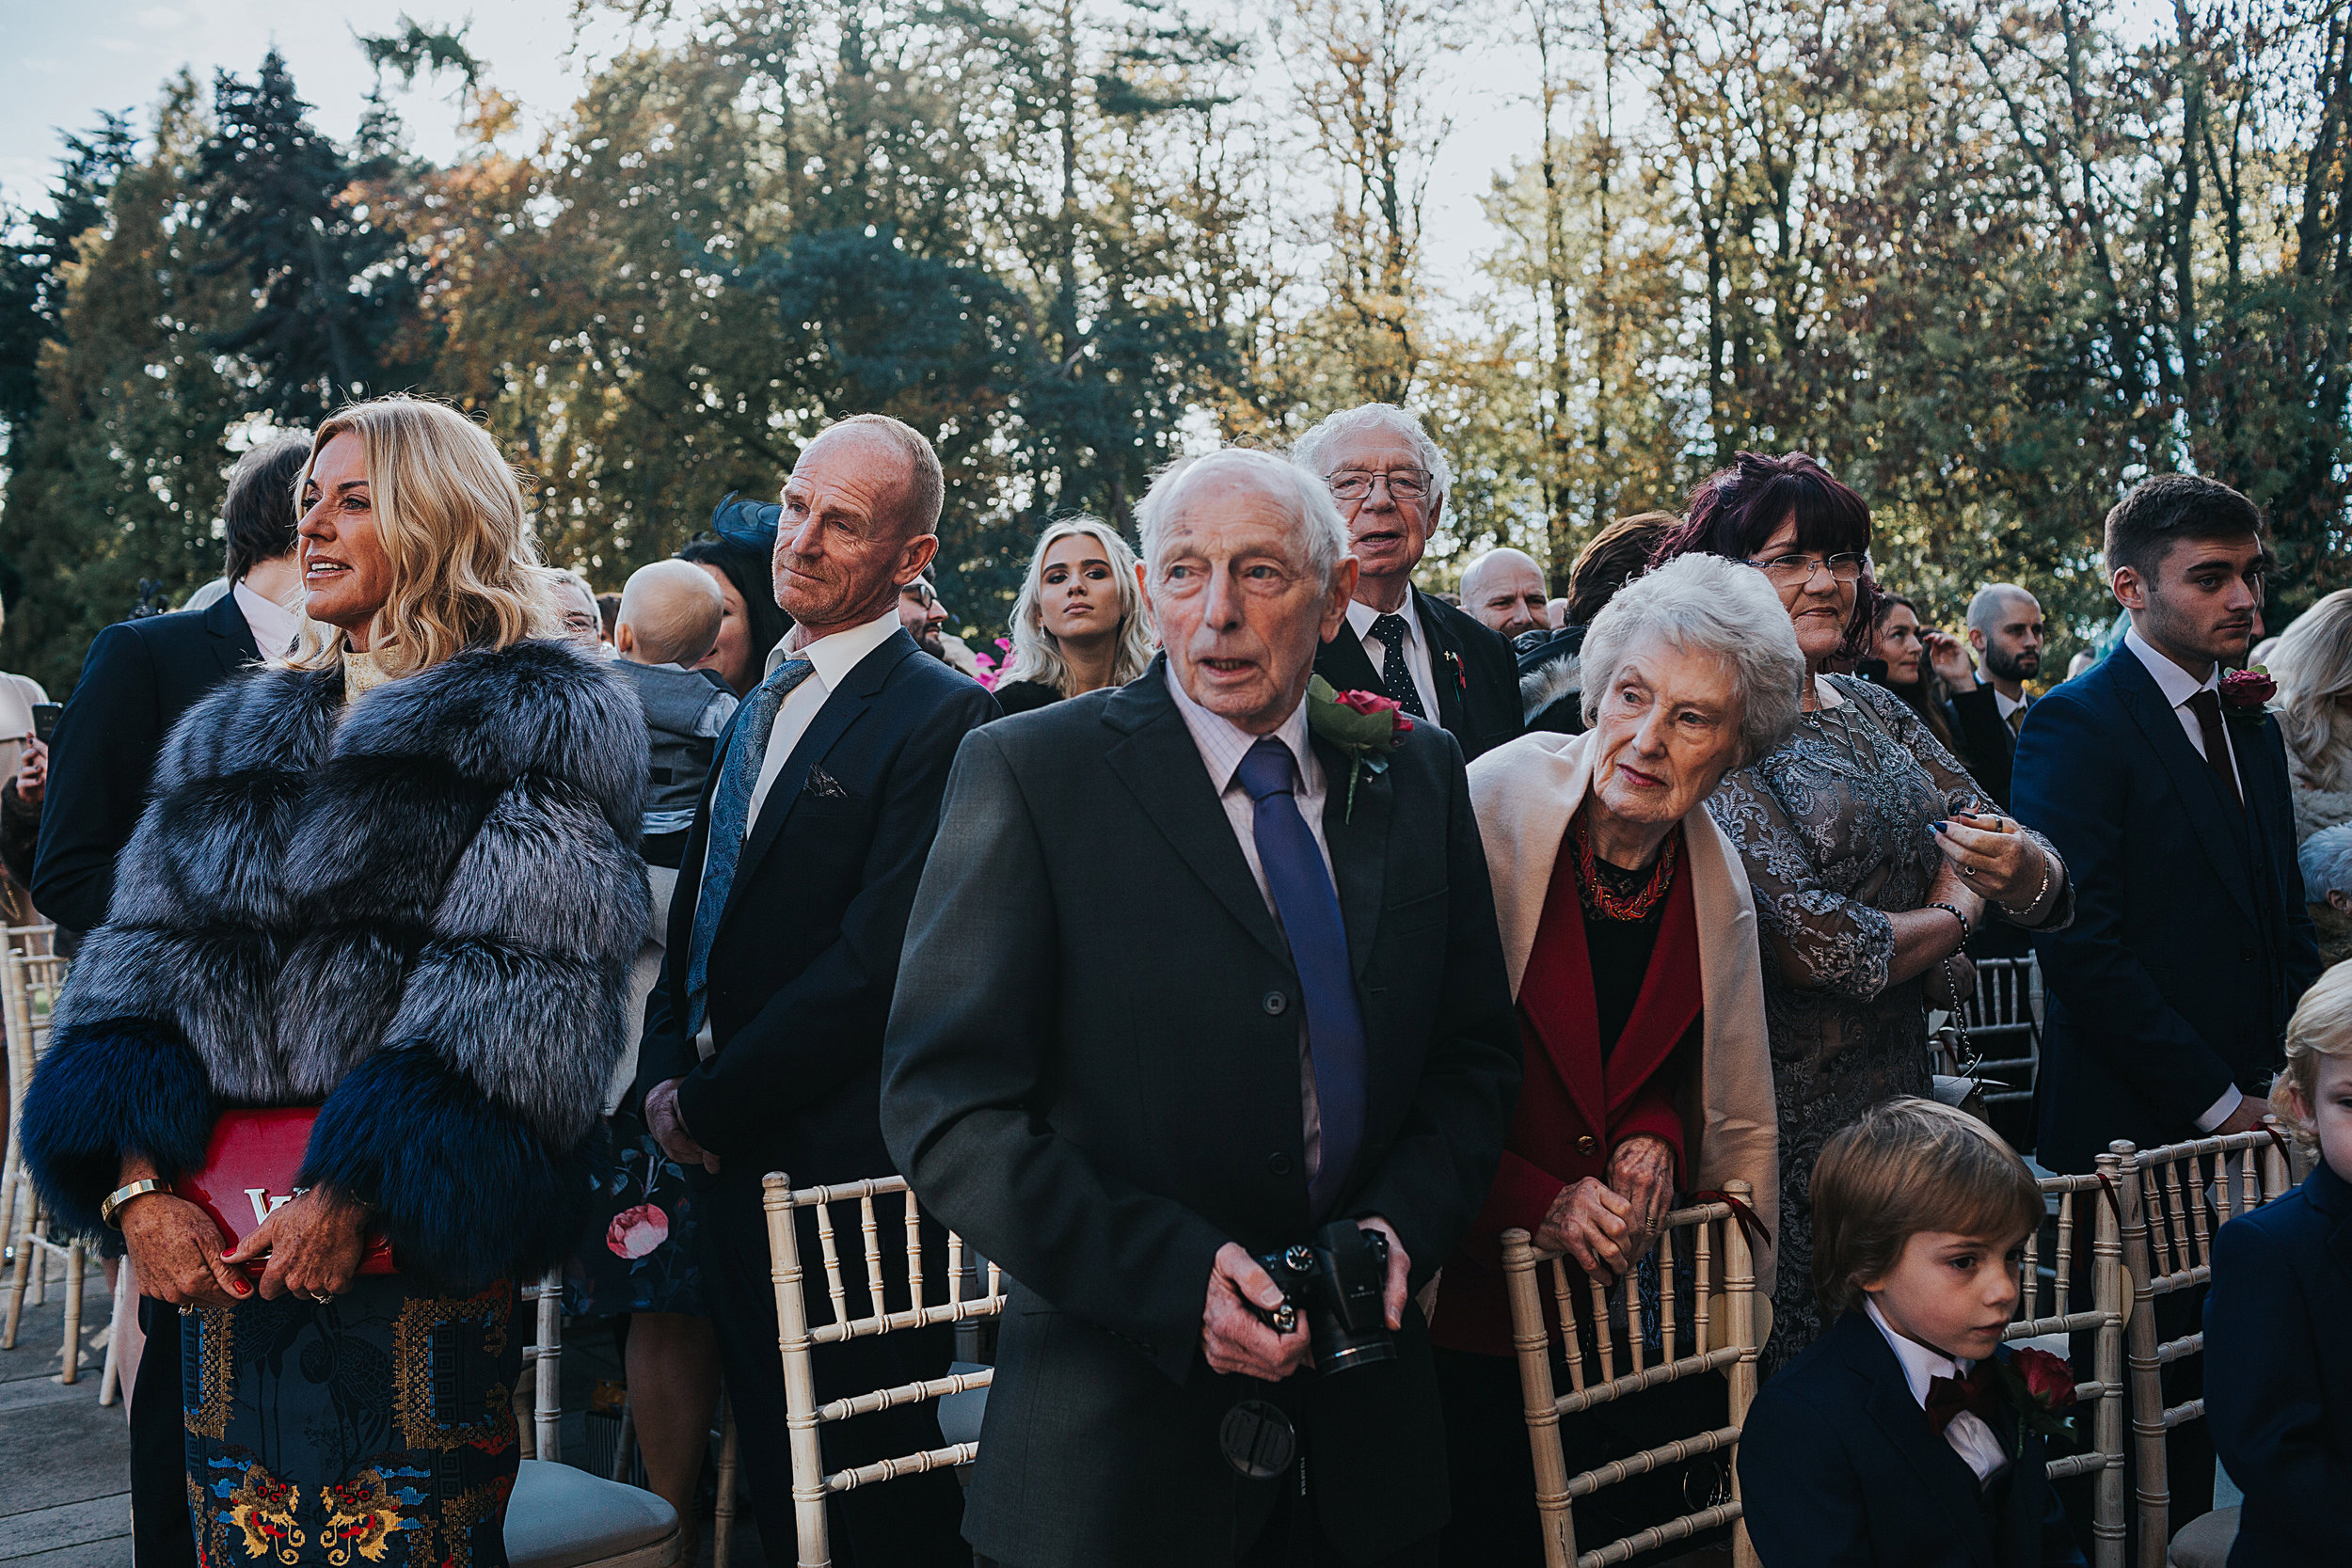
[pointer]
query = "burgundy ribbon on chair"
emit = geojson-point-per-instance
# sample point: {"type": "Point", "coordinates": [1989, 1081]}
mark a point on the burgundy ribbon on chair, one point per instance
{"type": "Point", "coordinates": [2115, 1199]}
{"type": "Point", "coordinates": [1752, 1227]}
{"type": "Point", "coordinates": [2280, 1140]}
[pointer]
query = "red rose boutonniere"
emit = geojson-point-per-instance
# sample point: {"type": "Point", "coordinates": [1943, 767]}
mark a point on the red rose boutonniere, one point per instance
{"type": "Point", "coordinates": [2247, 691]}
{"type": "Point", "coordinates": [2040, 1388]}
{"type": "Point", "coordinates": [1363, 725]}
{"type": "Point", "coordinates": [1461, 677]}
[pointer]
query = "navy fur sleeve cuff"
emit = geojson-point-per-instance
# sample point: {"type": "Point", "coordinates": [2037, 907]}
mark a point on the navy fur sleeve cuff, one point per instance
{"type": "Point", "coordinates": [463, 1188]}
{"type": "Point", "coordinates": [106, 1090]}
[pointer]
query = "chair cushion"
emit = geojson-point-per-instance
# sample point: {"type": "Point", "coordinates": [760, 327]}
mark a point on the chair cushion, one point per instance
{"type": "Point", "coordinates": [2204, 1543]}
{"type": "Point", "coordinates": [560, 1518]}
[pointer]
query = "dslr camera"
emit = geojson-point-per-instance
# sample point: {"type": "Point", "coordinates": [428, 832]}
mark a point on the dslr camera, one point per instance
{"type": "Point", "coordinates": [1337, 1280]}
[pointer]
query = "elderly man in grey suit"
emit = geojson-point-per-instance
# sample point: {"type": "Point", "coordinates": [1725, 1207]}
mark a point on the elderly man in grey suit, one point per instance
{"type": "Point", "coordinates": [1185, 984]}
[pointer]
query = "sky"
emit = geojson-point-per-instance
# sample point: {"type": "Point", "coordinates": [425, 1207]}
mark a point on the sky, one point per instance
{"type": "Point", "coordinates": [64, 60]}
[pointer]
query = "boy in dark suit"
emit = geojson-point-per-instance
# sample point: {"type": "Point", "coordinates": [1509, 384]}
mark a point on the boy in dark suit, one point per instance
{"type": "Point", "coordinates": [1904, 1436]}
{"type": "Point", "coordinates": [2280, 1390]}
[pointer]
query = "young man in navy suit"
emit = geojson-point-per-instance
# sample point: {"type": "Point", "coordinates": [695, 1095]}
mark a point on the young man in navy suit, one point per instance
{"type": "Point", "coordinates": [2169, 994]}
{"type": "Point", "coordinates": [1905, 1437]}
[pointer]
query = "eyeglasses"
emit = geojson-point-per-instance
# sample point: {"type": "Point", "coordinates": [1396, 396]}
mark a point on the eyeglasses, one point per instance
{"type": "Point", "coordinates": [1405, 484]}
{"type": "Point", "coordinates": [1789, 571]}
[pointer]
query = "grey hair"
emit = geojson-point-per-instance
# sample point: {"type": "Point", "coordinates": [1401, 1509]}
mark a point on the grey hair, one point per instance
{"type": "Point", "coordinates": [2326, 861]}
{"type": "Point", "coordinates": [1706, 603]}
{"type": "Point", "coordinates": [1308, 497]}
{"type": "Point", "coordinates": [1984, 610]}
{"type": "Point", "coordinates": [1313, 450]}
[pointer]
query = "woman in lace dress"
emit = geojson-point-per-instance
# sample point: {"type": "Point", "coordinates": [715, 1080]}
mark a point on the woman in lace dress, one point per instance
{"type": "Point", "coordinates": [1872, 852]}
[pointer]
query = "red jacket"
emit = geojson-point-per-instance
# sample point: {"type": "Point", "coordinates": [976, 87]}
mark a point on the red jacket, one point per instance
{"type": "Point", "coordinates": [1573, 1111]}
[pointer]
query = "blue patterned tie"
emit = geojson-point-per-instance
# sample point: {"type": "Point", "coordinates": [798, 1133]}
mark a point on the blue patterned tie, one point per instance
{"type": "Point", "coordinates": [1309, 912]}
{"type": "Point", "coordinates": [730, 821]}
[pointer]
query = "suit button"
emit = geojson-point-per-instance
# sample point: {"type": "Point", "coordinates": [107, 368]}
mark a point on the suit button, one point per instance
{"type": "Point", "coordinates": [1586, 1146]}
{"type": "Point", "coordinates": [1278, 1162]}
{"type": "Point", "coordinates": [2246, 955]}
{"type": "Point", "coordinates": [1275, 1004]}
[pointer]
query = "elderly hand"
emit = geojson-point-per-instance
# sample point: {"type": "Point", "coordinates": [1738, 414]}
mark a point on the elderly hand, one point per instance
{"type": "Point", "coordinates": [175, 1251]}
{"type": "Point", "coordinates": [669, 1127]}
{"type": "Point", "coordinates": [32, 771]}
{"type": "Point", "coordinates": [314, 1244]}
{"type": "Point", "coordinates": [1235, 1340]}
{"type": "Point", "coordinates": [1997, 857]}
{"type": "Point", "coordinates": [1596, 1225]}
{"type": "Point", "coordinates": [1642, 1171]}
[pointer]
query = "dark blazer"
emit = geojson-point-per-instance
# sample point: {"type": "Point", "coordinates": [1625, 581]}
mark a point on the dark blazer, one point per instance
{"type": "Point", "coordinates": [807, 949]}
{"type": "Point", "coordinates": [2190, 943]}
{"type": "Point", "coordinates": [2279, 1376]}
{"type": "Point", "coordinates": [1476, 675]}
{"type": "Point", "coordinates": [1840, 1468]}
{"type": "Point", "coordinates": [1093, 1075]}
{"type": "Point", "coordinates": [1990, 748]}
{"type": "Point", "coordinates": [137, 679]}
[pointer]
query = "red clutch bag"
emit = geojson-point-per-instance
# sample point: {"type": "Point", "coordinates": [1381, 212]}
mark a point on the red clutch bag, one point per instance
{"type": "Point", "coordinates": [248, 1172]}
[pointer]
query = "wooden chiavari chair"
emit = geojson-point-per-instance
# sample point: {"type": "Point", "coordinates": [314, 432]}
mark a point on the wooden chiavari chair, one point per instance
{"type": "Point", "coordinates": [41, 941]}
{"type": "Point", "coordinates": [1716, 1334]}
{"type": "Point", "coordinates": [2005, 1028]}
{"type": "Point", "coordinates": [2175, 1198]}
{"type": "Point", "coordinates": [811, 1484]}
{"type": "Point", "coordinates": [32, 982]}
{"type": "Point", "coordinates": [2076, 1202]}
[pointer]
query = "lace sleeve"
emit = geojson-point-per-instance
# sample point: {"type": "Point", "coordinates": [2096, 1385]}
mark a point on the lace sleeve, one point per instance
{"type": "Point", "coordinates": [1820, 939]}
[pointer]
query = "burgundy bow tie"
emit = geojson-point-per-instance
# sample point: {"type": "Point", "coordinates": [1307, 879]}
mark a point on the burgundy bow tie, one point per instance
{"type": "Point", "coordinates": [1976, 1393]}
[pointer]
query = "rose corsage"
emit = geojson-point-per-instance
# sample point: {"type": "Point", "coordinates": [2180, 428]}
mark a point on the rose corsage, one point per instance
{"type": "Point", "coordinates": [2247, 691]}
{"type": "Point", "coordinates": [1363, 725]}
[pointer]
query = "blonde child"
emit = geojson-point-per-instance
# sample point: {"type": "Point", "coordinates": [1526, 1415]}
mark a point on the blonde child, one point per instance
{"type": "Point", "coordinates": [2279, 1382]}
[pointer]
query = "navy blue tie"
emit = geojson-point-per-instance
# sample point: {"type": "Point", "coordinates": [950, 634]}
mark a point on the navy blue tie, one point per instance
{"type": "Point", "coordinates": [1309, 912]}
{"type": "Point", "coordinates": [730, 822]}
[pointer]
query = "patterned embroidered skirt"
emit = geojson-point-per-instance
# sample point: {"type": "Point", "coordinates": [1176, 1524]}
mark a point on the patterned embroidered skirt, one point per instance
{"type": "Point", "coordinates": [374, 1429]}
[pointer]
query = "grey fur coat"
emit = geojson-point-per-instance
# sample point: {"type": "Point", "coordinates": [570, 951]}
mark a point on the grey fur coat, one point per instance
{"type": "Point", "coordinates": [417, 912]}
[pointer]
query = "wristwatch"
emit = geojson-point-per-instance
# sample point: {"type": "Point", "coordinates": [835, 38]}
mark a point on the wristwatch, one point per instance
{"type": "Point", "coordinates": [112, 1204]}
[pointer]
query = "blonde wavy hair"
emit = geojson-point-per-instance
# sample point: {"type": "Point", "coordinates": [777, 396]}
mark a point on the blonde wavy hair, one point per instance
{"type": "Point", "coordinates": [2313, 665]}
{"type": "Point", "coordinates": [448, 517]}
{"type": "Point", "coordinates": [1036, 652]}
{"type": "Point", "coordinates": [2322, 1026]}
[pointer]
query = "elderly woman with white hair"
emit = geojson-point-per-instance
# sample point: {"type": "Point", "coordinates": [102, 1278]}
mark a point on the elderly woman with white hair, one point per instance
{"type": "Point", "coordinates": [1079, 623]}
{"type": "Point", "coordinates": [1630, 937]}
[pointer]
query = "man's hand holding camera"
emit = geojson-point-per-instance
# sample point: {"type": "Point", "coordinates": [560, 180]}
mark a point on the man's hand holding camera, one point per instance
{"type": "Point", "coordinates": [1237, 1332]}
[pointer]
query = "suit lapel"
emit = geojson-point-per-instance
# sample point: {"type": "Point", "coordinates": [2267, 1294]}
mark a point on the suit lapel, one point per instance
{"type": "Point", "coordinates": [1359, 847]}
{"type": "Point", "coordinates": [1343, 662]}
{"type": "Point", "coordinates": [1666, 1007]}
{"type": "Point", "coordinates": [839, 710]}
{"type": "Point", "coordinates": [1154, 758]}
{"type": "Point", "coordinates": [2220, 827]}
{"type": "Point", "coordinates": [1945, 1475]}
{"type": "Point", "coordinates": [1445, 657]}
{"type": "Point", "coordinates": [1556, 997]}
{"type": "Point", "coordinates": [232, 639]}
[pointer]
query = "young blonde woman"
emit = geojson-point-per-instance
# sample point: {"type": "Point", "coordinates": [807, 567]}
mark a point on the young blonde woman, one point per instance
{"type": "Point", "coordinates": [392, 878]}
{"type": "Point", "coordinates": [2313, 667]}
{"type": "Point", "coordinates": [1080, 622]}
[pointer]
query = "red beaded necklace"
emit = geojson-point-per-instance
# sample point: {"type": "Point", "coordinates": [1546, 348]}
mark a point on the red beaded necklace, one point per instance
{"type": "Point", "coordinates": [1606, 902]}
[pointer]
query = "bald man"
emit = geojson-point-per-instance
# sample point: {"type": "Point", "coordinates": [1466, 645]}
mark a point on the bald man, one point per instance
{"type": "Point", "coordinates": [2005, 629]}
{"type": "Point", "coordinates": [1504, 590]}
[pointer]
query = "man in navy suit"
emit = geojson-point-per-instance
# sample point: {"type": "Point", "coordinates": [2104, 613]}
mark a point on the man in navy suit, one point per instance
{"type": "Point", "coordinates": [2170, 994]}
{"type": "Point", "coordinates": [763, 1043]}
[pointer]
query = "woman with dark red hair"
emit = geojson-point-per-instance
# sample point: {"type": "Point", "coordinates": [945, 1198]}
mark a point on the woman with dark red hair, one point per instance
{"type": "Point", "coordinates": [1871, 853]}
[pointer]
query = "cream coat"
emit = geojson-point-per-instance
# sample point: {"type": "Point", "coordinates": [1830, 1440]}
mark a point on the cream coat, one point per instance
{"type": "Point", "coordinates": [1524, 793]}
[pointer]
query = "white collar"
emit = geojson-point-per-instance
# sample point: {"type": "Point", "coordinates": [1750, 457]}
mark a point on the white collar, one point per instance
{"type": "Point", "coordinates": [2004, 704]}
{"type": "Point", "coordinates": [1920, 1363]}
{"type": "Point", "coordinates": [1360, 616]}
{"type": "Point", "coordinates": [1223, 744]}
{"type": "Point", "coordinates": [839, 652]}
{"type": "Point", "coordinates": [2177, 684]}
{"type": "Point", "coordinates": [274, 626]}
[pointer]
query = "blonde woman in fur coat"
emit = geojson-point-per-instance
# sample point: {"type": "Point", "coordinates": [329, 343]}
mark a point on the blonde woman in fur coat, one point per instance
{"type": "Point", "coordinates": [392, 875]}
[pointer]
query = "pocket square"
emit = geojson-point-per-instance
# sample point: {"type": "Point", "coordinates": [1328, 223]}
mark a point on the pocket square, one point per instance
{"type": "Point", "coordinates": [822, 785]}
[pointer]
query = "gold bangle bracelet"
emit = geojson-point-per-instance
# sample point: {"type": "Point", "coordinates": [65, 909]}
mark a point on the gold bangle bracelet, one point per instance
{"type": "Point", "coordinates": [112, 1204]}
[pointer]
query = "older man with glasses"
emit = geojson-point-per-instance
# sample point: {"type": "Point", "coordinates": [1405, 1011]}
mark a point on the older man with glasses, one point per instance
{"type": "Point", "coordinates": [1390, 481]}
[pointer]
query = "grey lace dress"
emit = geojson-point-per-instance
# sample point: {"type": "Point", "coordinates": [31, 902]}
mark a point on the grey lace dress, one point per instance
{"type": "Point", "coordinates": [1832, 829]}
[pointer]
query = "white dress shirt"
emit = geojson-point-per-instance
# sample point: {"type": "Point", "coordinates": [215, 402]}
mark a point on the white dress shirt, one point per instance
{"type": "Point", "coordinates": [274, 626]}
{"type": "Point", "coordinates": [1360, 619]}
{"type": "Point", "coordinates": [1968, 1435]}
{"type": "Point", "coordinates": [2004, 704]}
{"type": "Point", "coordinates": [1223, 744]}
{"type": "Point", "coordinates": [2178, 687]}
{"type": "Point", "coordinates": [834, 657]}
